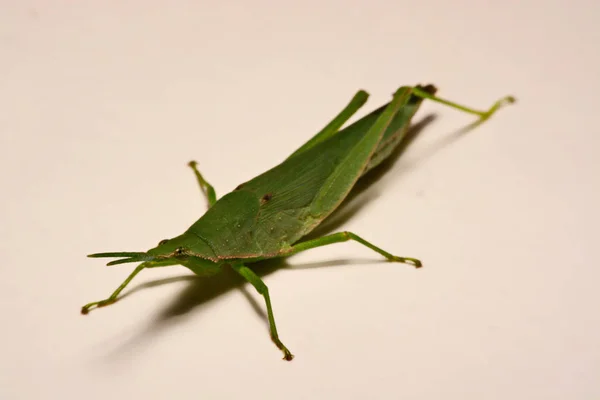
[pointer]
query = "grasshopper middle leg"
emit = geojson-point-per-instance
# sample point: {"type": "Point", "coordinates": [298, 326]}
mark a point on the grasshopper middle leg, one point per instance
{"type": "Point", "coordinates": [344, 237]}
{"type": "Point", "coordinates": [261, 288]}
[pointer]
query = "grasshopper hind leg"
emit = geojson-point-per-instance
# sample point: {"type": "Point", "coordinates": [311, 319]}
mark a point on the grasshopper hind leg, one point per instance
{"type": "Point", "coordinates": [483, 115]}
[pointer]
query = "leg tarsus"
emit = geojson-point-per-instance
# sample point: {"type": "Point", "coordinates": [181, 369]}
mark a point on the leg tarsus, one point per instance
{"type": "Point", "coordinates": [262, 289]}
{"type": "Point", "coordinates": [205, 187]}
{"type": "Point", "coordinates": [344, 237]}
{"type": "Point", "coordinates": [497, 105]}
{"type": "Point", "coordinates": [113, 297]}
{"type": "Point", "coordinates": [483, 115]}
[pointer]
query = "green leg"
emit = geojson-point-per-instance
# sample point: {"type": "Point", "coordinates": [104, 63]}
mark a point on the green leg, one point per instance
{"type": "Point", "coordinates": [482, 114]}
{"type": "Point", "coordinates": [344, 237]}
{"type": "Point", "coordinates": [113, 297]}
{"type": "Point", "coordinates": [359, 99]}
{"type": "Point", "coordinates": [261, 288]}
{"type": "Point", "coordinates": [206, 187]}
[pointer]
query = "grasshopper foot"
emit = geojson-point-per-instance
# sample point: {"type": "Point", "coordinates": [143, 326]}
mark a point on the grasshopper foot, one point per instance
{"type": "Point", "coordinates": [497, 105]}
{"type": "Point", "coordinates": [287, 356]}
{"type": "Point", "coordinates": [103, 303]}
{"type": "Point", "coordinates": [407, 260]}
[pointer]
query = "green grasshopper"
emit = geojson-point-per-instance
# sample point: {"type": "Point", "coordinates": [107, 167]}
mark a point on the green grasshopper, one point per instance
{"type": "Point", "coordinates": [267, 217]}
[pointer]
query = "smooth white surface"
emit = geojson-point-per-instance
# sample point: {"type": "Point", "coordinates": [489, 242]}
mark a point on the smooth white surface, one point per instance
{"type": "Point", "coordinates": [102, 104]}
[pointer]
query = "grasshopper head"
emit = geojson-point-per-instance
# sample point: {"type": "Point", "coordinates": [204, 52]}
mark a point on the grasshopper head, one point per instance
{"type": "Point", "coordinates": [182, 247]}
{"type": "Point", "coordinates": [186, 249]}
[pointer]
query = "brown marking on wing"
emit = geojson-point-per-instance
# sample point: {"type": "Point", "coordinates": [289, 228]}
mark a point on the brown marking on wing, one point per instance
{"type": "Point", "coordinates": [266, 198]}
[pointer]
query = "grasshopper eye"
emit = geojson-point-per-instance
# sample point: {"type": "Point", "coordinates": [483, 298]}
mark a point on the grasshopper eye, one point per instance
{"type": "Point", "coordinates": [163, 242]}
{"type": "Point", "coordinates": [179, 251]}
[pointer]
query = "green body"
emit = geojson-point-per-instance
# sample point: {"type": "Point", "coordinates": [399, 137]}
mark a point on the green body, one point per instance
{"type": "Point", "coordinates": [268, 216]}
{"type": "Point", "coordinates": [264, 217]}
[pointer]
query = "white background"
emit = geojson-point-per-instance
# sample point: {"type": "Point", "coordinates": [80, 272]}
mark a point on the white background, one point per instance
{"type": "Point", "coordinates": [102, 104]}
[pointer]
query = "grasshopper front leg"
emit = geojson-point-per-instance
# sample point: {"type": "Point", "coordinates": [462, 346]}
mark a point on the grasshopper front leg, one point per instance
{"type": "Point", "coordinates": [113, 297]}
{"type": "Point", "coordinates": [205, 187]}
{"type": "Point", "coordinates": [261, 288]}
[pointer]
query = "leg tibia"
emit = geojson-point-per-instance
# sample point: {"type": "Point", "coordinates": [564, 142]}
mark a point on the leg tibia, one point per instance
{"type": "Point", "coordinates": [482, 114]}
{"type": "Point", "coordinates": [205, 187]}
{"type": "Point", "coordinates": [113, 297]}
{"type": "Point", "coordinates": [261, 288]}
{"type": "Point", "coordinates": [344, 237]}
{"type": "Point", "coordinates": [334, 126]}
